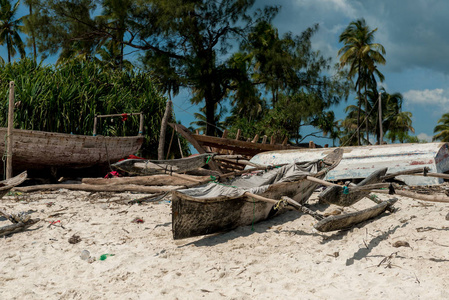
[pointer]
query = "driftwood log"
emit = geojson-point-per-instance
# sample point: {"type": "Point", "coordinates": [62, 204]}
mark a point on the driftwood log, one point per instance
{"type": "Point", "coordinates": [99, 188]}
{"type": "Point", "coordinates": [147, 180]}
{"type": "Point", "coordinates": [17, 227]}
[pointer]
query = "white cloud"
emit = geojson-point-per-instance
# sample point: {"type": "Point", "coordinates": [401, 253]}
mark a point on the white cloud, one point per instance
{"type": "Point", "coordinates": [425, 137]}
{"type": "Point", "coordinates": [433, 97]}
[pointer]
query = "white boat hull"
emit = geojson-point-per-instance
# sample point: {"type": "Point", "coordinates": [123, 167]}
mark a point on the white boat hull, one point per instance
{"type": "Point", "coordinates": [360, 162]}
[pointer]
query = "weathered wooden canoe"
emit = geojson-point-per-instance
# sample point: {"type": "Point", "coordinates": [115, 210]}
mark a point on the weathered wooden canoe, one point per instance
{"type": "Point", "coordinates": [34, 150]}
{"type": "Point", "coordinates": [360, 162]}
{"type": "Point", "coordinates": [149, 167]}
{"type": "Point", "coordinates": [343, 221]}
{"type": "Point", "coordinates": [335, 194]}
{"type": "Point", "coordinates": [221, 207]}
{"type": "Point", "coordinates": [225, 145]}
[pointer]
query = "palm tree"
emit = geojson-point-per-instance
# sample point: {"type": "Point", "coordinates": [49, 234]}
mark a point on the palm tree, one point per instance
{"type": "Point", "coordinates": [362, 55]}
{"type": "Point", "coordinates": [201, 123]}
{"type": "Point", "coordinates": [115, 15]}
{"type": "Point", "coordinates": [395, 122]}
{"type": "Point", "coordinates": [442, 129]}
{"type": "Point", "coordinates": [10, 27]}
{"type": "Point", "coordinates": [29, 27]}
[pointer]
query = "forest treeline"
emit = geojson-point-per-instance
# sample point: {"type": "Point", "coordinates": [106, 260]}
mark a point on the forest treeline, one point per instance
{"type": "Point", "coordinates": [227, 54]}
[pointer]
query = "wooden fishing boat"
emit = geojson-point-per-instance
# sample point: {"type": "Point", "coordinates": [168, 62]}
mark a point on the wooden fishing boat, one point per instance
{"type": "Point", "coordinates": [234, 146]}
{"type": "Point", "coordinates": [221, 207]}
{"type": "Point", "coordinates": [149, 167]}
{"type": "Point", "coordinates": [343, 221]}
{"type": "Point", "coordinates": [36, 150]}
{"type": "Point", "coordinates": [360, 162]}
{"type": "Point", "coordinates": [335, 195]}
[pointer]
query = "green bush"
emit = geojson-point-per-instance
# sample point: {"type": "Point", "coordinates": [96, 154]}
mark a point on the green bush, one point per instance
{"type": "Point", "coordinates": [66, 99]}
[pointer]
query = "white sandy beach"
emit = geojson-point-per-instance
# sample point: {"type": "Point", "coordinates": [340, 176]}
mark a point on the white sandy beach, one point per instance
{"type": "Point", "coordinates": [283, 257]}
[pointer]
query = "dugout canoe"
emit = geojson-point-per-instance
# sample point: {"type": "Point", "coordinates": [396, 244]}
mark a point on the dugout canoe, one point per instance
{"type": "Point", "coordinates": [150, 167]}
{"type": "Point", "coordinates": [220, 207]}
{"type": "Point", "coordinates": [37, 150]}
{"type": "Point", "coordinates": [360, 162]}
{"type": "Point", "coordinates": [335, 195]}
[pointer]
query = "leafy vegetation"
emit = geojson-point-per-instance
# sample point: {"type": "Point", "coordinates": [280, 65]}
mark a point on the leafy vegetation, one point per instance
{"type": "Point", "coordinates": [66, 99]}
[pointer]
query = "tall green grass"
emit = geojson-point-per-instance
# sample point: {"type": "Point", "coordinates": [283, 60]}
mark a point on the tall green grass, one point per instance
{"type": "Point", "coordinates": [66, 98]}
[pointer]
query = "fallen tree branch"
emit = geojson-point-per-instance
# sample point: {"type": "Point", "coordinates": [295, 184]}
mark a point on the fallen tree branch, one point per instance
{"type": "Point", "coordinates": [17, 227]}
{"type": "Point", "coordinates": [98, 188]}
{"type": "Point", "coordinates": [152, 180]}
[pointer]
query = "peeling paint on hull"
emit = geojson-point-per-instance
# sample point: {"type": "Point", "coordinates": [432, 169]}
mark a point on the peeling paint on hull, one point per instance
{"type": "Point", "coordinates": [360, 162]}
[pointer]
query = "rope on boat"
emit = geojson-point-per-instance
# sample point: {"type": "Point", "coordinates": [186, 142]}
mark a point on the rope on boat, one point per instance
{"type": "Point", "coordinates": [282, 202]}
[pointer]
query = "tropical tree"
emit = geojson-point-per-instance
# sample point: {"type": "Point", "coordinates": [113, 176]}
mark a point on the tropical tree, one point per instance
{"type": "Point", "coordinates": [361, 55]}
{"type": "Point", "coordinates": [396, 124]}
{"type": "Point", "coordinates": [117, 15]}
{"type": "Point", "coordinates": [10, 28]}
{"type": "Point", "coordinates": [442, 130]}
{"type": "Point", "coordinates": [28, 27]}
{"type": "Point", "coordinates": [283, 85]}
{"type": "Point", "coordinates": [201, 121]}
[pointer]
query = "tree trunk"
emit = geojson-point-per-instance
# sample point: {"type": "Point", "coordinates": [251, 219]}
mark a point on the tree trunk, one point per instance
{"type": "Point", "coordinates": [160, 149]}
{"type": "Point", "coordinates": [359, 104]}
{"type": "Point", "coordinates": [33, 36]}
{"type": "Point", "coordinates": [210, 116]}
{"type": "Point", "coordinates": [8, 46]}
{"type": "Point", "coordinates": [366, 117]}
{"type": "Point", "coordinates": [358, 117]}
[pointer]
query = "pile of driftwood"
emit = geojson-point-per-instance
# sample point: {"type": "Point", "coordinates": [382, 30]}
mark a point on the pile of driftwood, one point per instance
{"type": "Point", "coordinates": [20, 221]}
{"type": "Point", "coordinates": [170, 181]}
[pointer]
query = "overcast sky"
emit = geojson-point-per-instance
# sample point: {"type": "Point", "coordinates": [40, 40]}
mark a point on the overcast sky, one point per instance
{"type": "Point", "coordinates": [414, 33]}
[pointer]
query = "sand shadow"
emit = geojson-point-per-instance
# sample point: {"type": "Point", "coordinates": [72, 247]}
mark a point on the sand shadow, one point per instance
{"type": "Point", "coordinates": [364, 252]}
{"type": "Point", "coordinates": [244, 231]}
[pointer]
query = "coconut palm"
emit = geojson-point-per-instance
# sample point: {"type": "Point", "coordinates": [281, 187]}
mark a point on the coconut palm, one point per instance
{"type": "Point", "coordinates": [10, 27]}
{"type": "Point", "coordinates": [29, 27]}
{"type": "Point", "coordinates": [361, 55]}
{"type": "Point", "coordinates": [115, 16]}
{"type": "Point", "coordinates": [395, 123]}
{"type": "Point", "coordinates": [442, 130]}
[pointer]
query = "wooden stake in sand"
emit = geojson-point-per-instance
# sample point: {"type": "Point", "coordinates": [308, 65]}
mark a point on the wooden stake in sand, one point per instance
{"type": "Point", "coordinates": [10, 127]}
